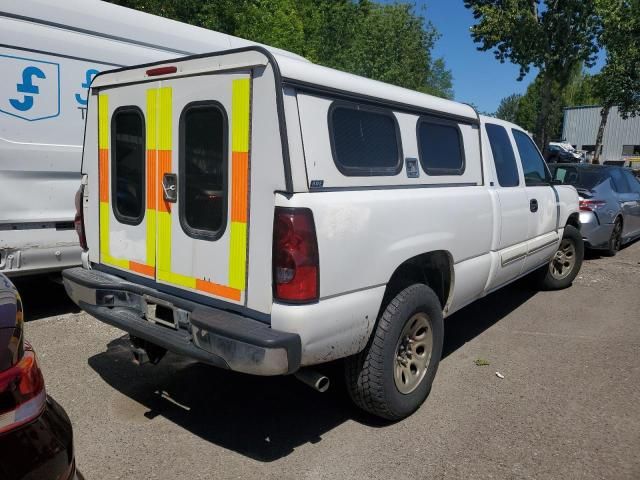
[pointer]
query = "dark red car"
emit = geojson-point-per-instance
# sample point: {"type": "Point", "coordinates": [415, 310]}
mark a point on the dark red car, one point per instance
{"type": "Point", "coordinates": [36, 440]}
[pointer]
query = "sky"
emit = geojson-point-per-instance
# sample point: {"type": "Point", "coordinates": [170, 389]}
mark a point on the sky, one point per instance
{"type": "Point", "coordinates": [478, 77]}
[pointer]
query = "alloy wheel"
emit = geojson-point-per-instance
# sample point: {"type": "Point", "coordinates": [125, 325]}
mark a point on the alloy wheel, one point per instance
{"type": "Point", "coordinates": [564, 260]}
{"type": "Point", "coordinates": [413, 353]}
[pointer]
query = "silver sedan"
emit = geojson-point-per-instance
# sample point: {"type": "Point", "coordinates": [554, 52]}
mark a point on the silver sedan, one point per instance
{"type": "Point", "coordinates": [609, 203]}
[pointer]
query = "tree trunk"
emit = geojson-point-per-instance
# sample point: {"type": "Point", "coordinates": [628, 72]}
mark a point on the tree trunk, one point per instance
{"type": "Point", "coordinates": [604, 115]}
{"type": "Point", "coordinates": [542, 134]}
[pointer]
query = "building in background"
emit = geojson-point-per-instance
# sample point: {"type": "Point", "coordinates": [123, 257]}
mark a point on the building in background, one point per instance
{"type": "Point", "coordinates": [621, 137]}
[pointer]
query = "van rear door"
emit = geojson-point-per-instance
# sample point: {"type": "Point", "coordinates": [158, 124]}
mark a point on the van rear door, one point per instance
{"type": "Point", "coordinates": [174, 183]}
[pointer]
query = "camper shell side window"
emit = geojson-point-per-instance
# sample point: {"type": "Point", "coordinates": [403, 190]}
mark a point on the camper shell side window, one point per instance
{"type": "Point", "coordinates": [440, 146]}
{"type": "Point", "coordinates": [128, 164]}
{"type": "Point", "coordinates": [365, 140]}
{"type": "Point", "coordinates": [203, 167]}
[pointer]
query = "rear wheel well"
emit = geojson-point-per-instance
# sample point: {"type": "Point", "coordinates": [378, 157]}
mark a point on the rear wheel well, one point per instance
{"type": "Point", "coordinates": [574, 220]}
{"type": "Point", "coordinates": [434, 269]}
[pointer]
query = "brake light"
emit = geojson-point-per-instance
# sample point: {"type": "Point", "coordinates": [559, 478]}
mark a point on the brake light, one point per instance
{"type": "Point", "coordinates": [590, 205]}
{"type": "Point", "coordinates": [296, 270]}
{"type": "Point", "coordinates": [154, 72]}
{"type": "Point", "coordinates": [78, 221]}
{"type": "Point", "coordinates": [22, 392]}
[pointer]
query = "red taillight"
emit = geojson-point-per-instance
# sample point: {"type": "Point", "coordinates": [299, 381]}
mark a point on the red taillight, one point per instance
{"type": "Point", "coordinates": [22, 393]}
{"type": "Point", "coordinates": [590, 205]}
{"type": "Point", "coordinates": [79, 219]}
{"type": "Point", "coordinates": [154, 72]}
{"type": "Point", "coordinates": [295, 256]}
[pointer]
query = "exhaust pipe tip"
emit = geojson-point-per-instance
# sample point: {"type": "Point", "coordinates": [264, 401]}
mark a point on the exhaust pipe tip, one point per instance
{"type": "Point", "coordinates": [314, 379]}
{"type": "Point", "coordinates": [140, 356]}
{"type": "Point", "coordinates": [322, 384]}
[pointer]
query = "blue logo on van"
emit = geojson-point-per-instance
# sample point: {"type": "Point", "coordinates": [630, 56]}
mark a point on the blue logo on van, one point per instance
{"type": "Point", "coordinates": [81, 98]}
{"type": "Point", "coordinates": [29, 88]}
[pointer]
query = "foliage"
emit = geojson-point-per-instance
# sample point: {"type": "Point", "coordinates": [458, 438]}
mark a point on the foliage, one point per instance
{"type": "Point", "coordinates": [579, 91]}
{"type": "Point", "coordinates": [551, 35]}
{"type": "Point", "coordinates": [618, 83]}
{"type": "Point", "coordinates": [387, 42]}
{"type": "Point", "coordinates": [553, 39]}
{"type": "Point", "coordinates": [508, 108]}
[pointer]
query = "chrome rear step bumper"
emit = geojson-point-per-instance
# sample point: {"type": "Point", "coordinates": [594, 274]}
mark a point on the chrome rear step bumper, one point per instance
{"type": "Point", "coordinates": [210, 335]}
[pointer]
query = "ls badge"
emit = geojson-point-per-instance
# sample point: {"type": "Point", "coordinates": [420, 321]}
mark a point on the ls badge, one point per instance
{"type": "Point", "coordinates": [29, 89]}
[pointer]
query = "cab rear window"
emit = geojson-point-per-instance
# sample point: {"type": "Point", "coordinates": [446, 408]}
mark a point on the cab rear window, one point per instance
{"type": "Point", "coordinates": [365, 140]}
{"type": "Point", "coordinates": [203, 170]}
{"type": "Point", "coordinates": [128, 164]}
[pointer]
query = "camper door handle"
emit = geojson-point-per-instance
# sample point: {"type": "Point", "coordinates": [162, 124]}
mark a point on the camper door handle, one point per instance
{"type": "Point", "coordinates": [170, 187]}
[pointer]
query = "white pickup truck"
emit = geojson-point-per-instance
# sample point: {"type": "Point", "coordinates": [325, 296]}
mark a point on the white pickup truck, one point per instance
{"type": "Point", "coordinates": [264, 214]}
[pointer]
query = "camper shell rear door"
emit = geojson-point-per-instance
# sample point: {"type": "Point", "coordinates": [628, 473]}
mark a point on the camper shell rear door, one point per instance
{"type": "Point", "coordinates": [174, 182]}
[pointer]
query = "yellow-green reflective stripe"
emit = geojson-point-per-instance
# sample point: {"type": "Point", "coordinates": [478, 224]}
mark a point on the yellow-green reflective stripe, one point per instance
{"type": "Point", "coordinates": [238, 255]}
{"type": "Point", "coordinates": [151, 237]}
{"type": "Point", "coordinates": [103, 121]}
{"type": "Point", "coordinates": [104, 229]}
{"type": "Point", "coordinates": [164, 241]}
{"type": "Point", "coordinates": [164, 119]}
{"type": "Point", "coordinates": [176, 279]}
{"type": "Point", "coordinates": [152, 99]}
{"type": "Point", "coordinates": [240, 115]}
{"type": "Point", "coordinates": [116, 262]}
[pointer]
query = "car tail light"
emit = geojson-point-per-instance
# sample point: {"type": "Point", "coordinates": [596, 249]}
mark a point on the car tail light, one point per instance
{"type": "Point", "coordinates": [22, 392]}
{"type": "Point", "coordinates": [79, 219]}
{"type": "Point", "coordinates": [296, 270]}
{"type": "Point", "coordinates": [590, 205]}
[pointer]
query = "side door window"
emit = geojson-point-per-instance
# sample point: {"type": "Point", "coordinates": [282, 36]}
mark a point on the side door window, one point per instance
{"type": "Point", "coordinates": [533, 166]}
{"type": "Point", "coordinates": [503, 157]}
{"type": "Point", "coordinates": [634, 182]}
{"type": "Point", "coordinates": [619, 182]}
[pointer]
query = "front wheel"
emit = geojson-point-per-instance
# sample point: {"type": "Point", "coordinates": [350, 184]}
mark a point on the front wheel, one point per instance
{"type": "Point", "coordinates": [565, 263]}
{"type": "Point", "coordinates": [392, 376]}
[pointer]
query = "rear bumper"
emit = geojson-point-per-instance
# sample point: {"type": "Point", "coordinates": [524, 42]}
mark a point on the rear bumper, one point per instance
{"type": "Point", "coordinates": [214, 336]}
{"type": "Point", "coordinates": [594, 233]}
{"type": "Point", "coordinates": [28, 251]}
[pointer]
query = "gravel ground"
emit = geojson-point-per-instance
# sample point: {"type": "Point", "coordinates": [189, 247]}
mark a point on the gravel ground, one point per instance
{"type": "Point", "coordinates": [568, 406]}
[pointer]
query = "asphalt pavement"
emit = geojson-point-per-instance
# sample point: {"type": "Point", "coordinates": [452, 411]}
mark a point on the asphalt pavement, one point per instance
{"type": "Point", "coordinates": [567, 407]}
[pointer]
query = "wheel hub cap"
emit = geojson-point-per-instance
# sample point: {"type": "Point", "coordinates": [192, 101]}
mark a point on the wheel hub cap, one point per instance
{"type": "Point", "coordinates": [563, 261]}
{"type": "Point", "coordinates": [413, 353]}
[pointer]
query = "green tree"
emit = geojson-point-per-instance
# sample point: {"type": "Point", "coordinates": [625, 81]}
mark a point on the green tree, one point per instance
{"type": "Point", "coordinates": [618, 83]}
{"type": "Point", "coordinates": [551, 35]}
{"type": "Point", "coordinates": [508, 108]}
{"type": "Point", "coordinates": [387, 42]}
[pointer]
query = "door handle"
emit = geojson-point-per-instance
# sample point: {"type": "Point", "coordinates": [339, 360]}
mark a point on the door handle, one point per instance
{"type": "Point", "coordinates": [533, 205]}
{"type": "Point", "coordinates": [170, 187]}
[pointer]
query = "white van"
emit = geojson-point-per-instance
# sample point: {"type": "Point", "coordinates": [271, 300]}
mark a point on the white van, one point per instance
{"type": "Point", "coordinates": [264, 214]}
{"type": "Point", "coordinates": [49, 53]}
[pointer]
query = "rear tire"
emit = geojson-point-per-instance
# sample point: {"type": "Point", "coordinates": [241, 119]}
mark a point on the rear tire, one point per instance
{"type": "Point", "coordinates": [565, 263]}
{"type": "Point", "coordinates": [392, 376]}
{"type": "Point", "coordinates": [615, 241]}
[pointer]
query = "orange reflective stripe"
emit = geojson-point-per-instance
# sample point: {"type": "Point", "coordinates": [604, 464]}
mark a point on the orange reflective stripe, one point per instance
{"type": "Point", "coordinates": [103, 174]}
{"type": "Point", "coordinates": [152, 181]}
{"type": "Point", "coordinates": [239, 184]}
{"type": "Point", "coordinates": [219, 290]}
{"type": "Point", "coordinates": [143, 269]}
